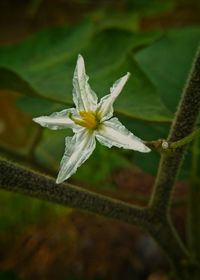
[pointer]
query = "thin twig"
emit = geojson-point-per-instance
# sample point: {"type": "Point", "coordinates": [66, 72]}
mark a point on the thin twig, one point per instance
{"type": "Point", "coordinates": [186, 140]}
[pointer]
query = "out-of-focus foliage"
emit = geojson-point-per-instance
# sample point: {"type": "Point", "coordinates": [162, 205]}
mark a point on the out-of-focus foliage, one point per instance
{"type": "Point", "coordinates": [46, 63]}
{"type": "Point", "coordinates": [43, 68]}
{"type": "Point", "coordinates": [173, 54]}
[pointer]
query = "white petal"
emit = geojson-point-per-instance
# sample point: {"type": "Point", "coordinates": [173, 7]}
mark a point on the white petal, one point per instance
{"type": "Point", "coordinates": [57, 120]}
{"type": "Point", "coordinates": [84, 97]}
{"type": "Point", "coordinates": [113, 133]}
{"type": "Point", "coordinates": [105, 106]}
{"type": "Point", "coordinates": [77, 151]}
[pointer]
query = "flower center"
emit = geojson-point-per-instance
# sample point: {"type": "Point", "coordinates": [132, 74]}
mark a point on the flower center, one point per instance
{"type": "Point", "coordinates": [89, 120]}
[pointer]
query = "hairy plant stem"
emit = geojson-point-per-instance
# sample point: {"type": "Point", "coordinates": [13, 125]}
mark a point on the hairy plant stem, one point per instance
{"type": "Point", "coordinates": [155, 218]}
{"type": "Point", "coordinates": [183, 124]}
{"type": "Point", "coordinates": [185, 140]}
{"type": "Point", "coordinates": [18, 179]}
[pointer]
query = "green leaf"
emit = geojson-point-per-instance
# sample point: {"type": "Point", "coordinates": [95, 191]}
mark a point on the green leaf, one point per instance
{"type": "Point", "coordinates": [29, 66]}
{"type": "Point", "coordinates": [37, 106]}
{"type": "Point", "coordinates": [146, 106]}
{"type": "Point", "coordinates": [108, 49]}
{"type": "Point", "coordinates": [45, 66]}
{"type": "Point", "coordinates": [168, 60]}
{"type": "Point", "coordinates": [46, 48]}
{"type": "Point", "coordinates": [139, 99]}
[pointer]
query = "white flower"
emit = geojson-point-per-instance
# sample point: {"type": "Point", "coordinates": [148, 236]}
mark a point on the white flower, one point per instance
{"type": "Point", "coordinates": [89, 121]}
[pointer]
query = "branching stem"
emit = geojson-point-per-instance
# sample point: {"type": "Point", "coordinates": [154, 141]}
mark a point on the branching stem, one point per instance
{"type": "Point", "coordinates": [19, 179]}
{"type": "Point", "coordinates": [186, 140]}
{"type": "Point", "coordinates": [154, 218]}
{"type": "Point", "coordinates": [183, 125]}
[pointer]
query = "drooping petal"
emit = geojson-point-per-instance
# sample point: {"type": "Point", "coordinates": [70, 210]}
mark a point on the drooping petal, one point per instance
{"type": "Point", "coordinates": [105, 106]}
{"type": "Point", "coordinates": [113, 133]}
{"type": "Point", "coordinates": [57, 120]}
{"type": "Point", "coordinates": [84, 97]}
{"type": "Point", "coordinates": [77, 150]}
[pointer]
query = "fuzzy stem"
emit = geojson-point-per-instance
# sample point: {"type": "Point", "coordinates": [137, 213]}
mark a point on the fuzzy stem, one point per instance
{"type": "Point", "coordinates": [184, 122]}
{"type": "Point", "coordinates": [155, 218]}
{"type": "Point", "coordinates": [185, 140]}
{"type": "Point", "coordinates": [19, 179]}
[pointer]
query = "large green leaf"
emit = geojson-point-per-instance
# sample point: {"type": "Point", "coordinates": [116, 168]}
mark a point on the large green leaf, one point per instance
{"type": "Point", "coordinates": [167, 64]}
{"type": "Point", "coordinates": [46, 48]}
{"type": "Point", "coordinates": [158, 74]}
{"type": "Point", "coordinates": [39, 62]}
{"type": "Point", "coordinates": [139, 99]}
{"type": "Point", "coordinates": [45, 65]}
{"type": "Point", "coordinates": [37, 106]}
{"type": "Point", "coordinates": [168, 60]}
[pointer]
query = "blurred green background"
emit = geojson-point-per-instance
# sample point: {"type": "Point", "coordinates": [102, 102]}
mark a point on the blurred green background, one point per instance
{"type": "Point", "coordinates": [40, 40]}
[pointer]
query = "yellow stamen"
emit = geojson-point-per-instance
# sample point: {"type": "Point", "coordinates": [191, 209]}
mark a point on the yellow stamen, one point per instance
{"type": "Point", "coordinates": [89, 120]}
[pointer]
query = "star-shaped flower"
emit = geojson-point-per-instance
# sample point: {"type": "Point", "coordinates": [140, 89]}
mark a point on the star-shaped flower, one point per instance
{"type": "Point", "coordinates": [89, 121]}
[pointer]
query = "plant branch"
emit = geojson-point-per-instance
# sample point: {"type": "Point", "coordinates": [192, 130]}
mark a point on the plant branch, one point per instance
{"type": "Point", "coordinates": [21, 180]}
{"type": "Point", "coordinates": [18, 179]}
{"type": "Point", "coordinates": [155, 218]}
{"type": "Point", "coordinates": [184, 122]}
{"type": "Point", "coordinates": [182, 126]}
{"type": "Point", "coordinates": [162, 145]}
{"type": "Point", "coordinates": [185, 140]}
